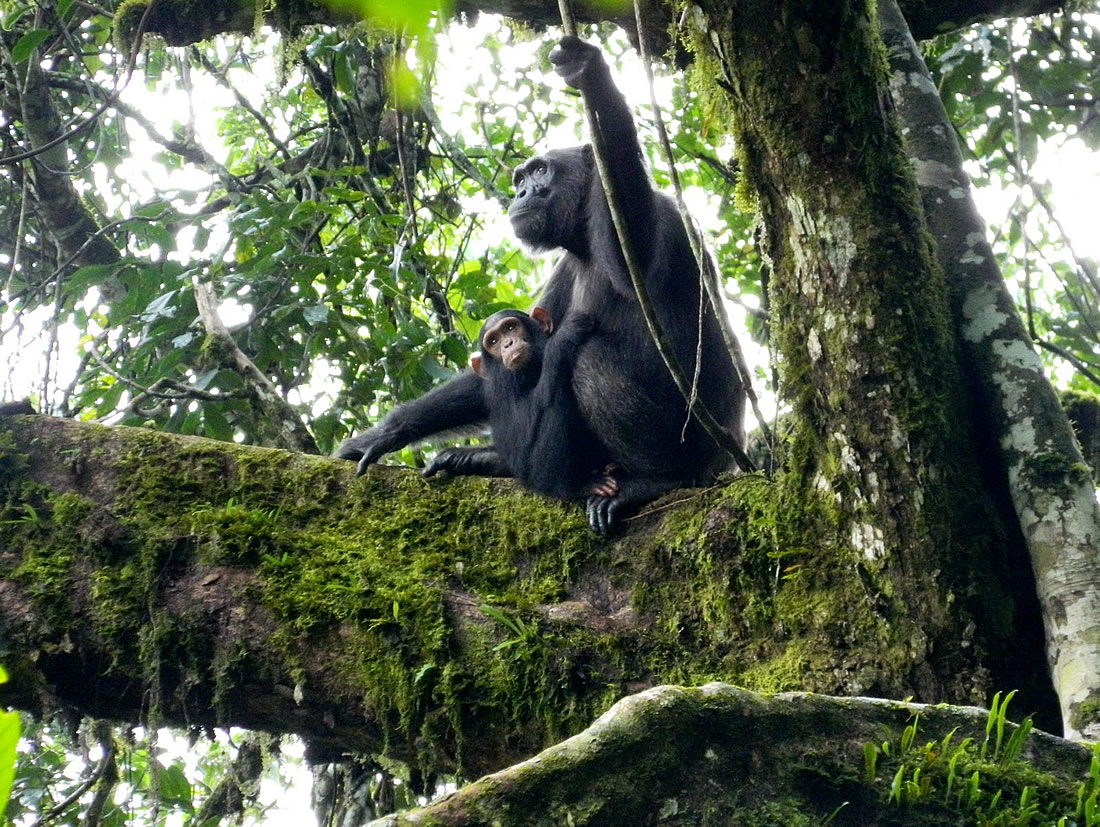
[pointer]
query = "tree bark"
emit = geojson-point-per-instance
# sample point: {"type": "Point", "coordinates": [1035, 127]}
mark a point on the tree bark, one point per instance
{"type": "Point", "coordinates": [181, 26]}
{"type": "Point", "coordinates": [721, 755]}
{"type": "Point", "coordinates": [1023, 422]}
{"type": "Point", "coordinates": [880, 467]}
{"type": "Point", "coordinates": [448, 623]}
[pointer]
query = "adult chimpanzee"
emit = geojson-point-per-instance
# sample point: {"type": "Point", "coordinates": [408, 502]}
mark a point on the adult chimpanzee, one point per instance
{"type": "Point", "coordinates": [620, 383]}
{"type": "Point", "coordinates": [539, 436]}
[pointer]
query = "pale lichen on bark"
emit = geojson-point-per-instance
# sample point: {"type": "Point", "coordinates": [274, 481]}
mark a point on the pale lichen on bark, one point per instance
{"type": "Point", "coordinates": [1051, 491]}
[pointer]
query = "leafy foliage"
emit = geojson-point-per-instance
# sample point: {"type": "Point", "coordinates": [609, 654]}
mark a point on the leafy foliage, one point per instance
{"type": "Point", "coordinates": [131, 776]}
{"type": "Point", "coordinates": [352, 233]}
{"type": "Point", "coordinates": [1020, 91]}
{"type": "Point", "coordinates": [988, 783]}
{"type": "Point", "coordinates": [9, 738]}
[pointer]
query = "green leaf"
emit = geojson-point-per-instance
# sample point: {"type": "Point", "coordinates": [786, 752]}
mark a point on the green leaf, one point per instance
{"type": "Point", "coordinates": [26, 45]}
{"type": "Point", "coordinates": [343, 73]}
{"type": "Point", "coordinates": [434, 369]}
{"type": "Point", "coordinates": [870, 760]}
{"type": "Point", "coordinates": [9, 738]}
{"type": "Point", "coordinates": [315, 314]}
{"type": "Point", "coordinates": [88, 276]}
{"type": "Point", "coordinates": [12, 16]}
{"type": "Point", "coordinates": [454, 350]}
{"type": "Point", "coordinates": [405, 86]}
{"type": "Point", "coordinates": [174, 786]}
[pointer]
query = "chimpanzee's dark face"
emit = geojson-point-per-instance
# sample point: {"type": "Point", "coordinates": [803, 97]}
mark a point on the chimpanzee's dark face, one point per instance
{"type": "Point", "coordinates": [548, 210]}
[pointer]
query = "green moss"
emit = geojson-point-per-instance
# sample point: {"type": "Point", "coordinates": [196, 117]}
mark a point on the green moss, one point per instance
{"type": "Point", "coordinates": [783, 673]}
{"type": "Point", "coordinates": [366, 587]}
{"type": "Point", "coordinates": [127, 19]}
{"type": "Point", "coordinates": [13, 462]}
{"type": "Point", "coordinates": [46, 567]}
{"type": "Point", "coordinates": [375, 579]}
{"type": "Point", "coordinates": [1085, 714]}
{"type": "Point", "coordinates": [119, 597]}
{"type": "Point", "coordinates": [1055, 471]}
{"type": "Point", "coordinates": [180, 22]}
{"type": "Point", "coordinates": [363, 594]}
{"type": "Point", "coordinates": [234, 536]}
{"type": "Point", "coordinates": [370, 587]}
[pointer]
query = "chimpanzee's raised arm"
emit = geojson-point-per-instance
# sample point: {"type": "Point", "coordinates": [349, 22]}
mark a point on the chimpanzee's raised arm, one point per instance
{"type": "Point", "coordinates": [453, 406]}
{"type": "Point", "coordinates": [583, 67]}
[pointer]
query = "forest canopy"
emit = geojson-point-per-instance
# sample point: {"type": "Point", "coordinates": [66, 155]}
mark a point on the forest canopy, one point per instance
{"type": "Point", "coordinates": [268, 226]}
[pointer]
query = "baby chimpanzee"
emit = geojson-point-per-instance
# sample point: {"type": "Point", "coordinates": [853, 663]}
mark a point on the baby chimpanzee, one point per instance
{"type": "Point", "coordinates": [539, 435]}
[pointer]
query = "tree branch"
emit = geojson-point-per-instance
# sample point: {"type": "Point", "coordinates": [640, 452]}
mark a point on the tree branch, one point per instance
{"type": "Point", "coordinates": [718, 754]}
{"type": "Point", "coordinates": [180, 28]}
{"type": "Point", "coordinates": [285, 421]}
{"type": "Point", "coordinates": [212, 584]}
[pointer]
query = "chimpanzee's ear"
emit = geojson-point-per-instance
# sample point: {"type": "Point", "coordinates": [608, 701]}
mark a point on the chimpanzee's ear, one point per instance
{"type": "Point", "coordinates": [475, 364]}
{"type": "Point", "coordinates": [543, 318]}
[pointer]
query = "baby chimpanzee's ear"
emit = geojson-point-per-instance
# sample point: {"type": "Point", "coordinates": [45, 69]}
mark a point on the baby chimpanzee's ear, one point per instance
{"type": "Point", "coordinates": [475, 364]}
{"type": "Point", "coordinates": [544, 320]}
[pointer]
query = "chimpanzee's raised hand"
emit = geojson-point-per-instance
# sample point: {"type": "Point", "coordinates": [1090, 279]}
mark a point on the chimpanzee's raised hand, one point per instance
{"type": "Point", "coordinates": [580, 64]}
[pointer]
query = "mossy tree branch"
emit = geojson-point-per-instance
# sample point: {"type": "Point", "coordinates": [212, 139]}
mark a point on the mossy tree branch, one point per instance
{"type": "Point", "coordinates": [183, 22]}
{"type": "Point", "coordinates": [452, 623]}
{"type": "Point", "coordinates": [722, 755]}
{"type": "Point", "coordinates": [273, 590]}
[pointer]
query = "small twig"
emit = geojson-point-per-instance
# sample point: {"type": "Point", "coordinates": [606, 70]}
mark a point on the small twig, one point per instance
{"type": "Point", "coordinates": [155, 391]}
{"type": "Point", "coordinates": [17, 241]}
{"type": "Point", "coordinates": [292, 434]}
{"type": "Point", "coordinates": [94, 9]}
{"type": "Point", "coordinates": [657, 509]}
{"type": "Point", "coordinates": [1073, 360]}
{"type": "Point", "coordinates": [243, 102]}
{"type": "Point", "coordinates": [459, 158]}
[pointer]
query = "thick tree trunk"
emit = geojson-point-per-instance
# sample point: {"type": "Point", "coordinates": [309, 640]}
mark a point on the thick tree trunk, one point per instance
{"type": "Point", "coordinates": [1041, 465]}
{"type": "Point", "coordinates": [881, 468]}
